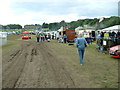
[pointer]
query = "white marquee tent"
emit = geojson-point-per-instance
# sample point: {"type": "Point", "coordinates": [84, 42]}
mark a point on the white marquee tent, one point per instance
{"type": "Point", "coordinates": [115, 28]}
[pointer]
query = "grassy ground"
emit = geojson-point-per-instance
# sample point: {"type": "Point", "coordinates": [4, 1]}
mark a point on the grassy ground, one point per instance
{"type": "Point", "coordinates": [11, 30]}
{"type": "Point", "coordinates": [12, 42]}
{"type": "Point", "coordinates": [99, 66]}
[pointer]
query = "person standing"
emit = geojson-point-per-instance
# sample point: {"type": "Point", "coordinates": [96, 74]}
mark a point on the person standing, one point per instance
{"type": "Point", "coordinates": [38, 37]}
{"type": "Point", "coordinates": [53, 36]}
{"type": "Point", "coordinates": [45, 36]}
{"type": "Point", "coordinates": [57, 35]}
{"type": "Point", "coordinates": [42, 37]}
{"type": "Point", "coordinates": [65, 38]}
{"type": "Point", "coordinates": [81, 44]}
{"type": "Point", "coordinates": [49, 36]}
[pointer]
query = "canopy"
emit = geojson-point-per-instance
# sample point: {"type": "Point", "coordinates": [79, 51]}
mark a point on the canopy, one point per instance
{"type": "Point", "coordinates": [113, 28]}
{"type": "Point", "coordinates": [60, 30]}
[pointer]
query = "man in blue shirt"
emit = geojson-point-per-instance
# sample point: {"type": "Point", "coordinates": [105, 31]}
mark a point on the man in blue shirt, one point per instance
{"type": "Point", "coordinates": [65, 38]}
{"type": "Point", "coordinates": [80, 44]}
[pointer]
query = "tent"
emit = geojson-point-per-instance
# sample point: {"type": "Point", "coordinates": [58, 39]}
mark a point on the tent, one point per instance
{"type": "Point", "coordinates": [3, 34]}
{"type": "Point", "coordinates": [115, 28]}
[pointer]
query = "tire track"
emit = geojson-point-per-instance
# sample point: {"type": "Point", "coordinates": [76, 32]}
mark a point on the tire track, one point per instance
{"type": "Point", "coordinates": [9, 60]}
{"type": "Point", "coordinates": [18, 52]}
{"type": "Point", "coordinates": [31, 72]}
{"type": "Point", "coordinates": [47, 79]}
{"type": "Point", "coordinates": [46, 69]}
{"type": "Point", "coordinates": [12, 71]}
{"type": "Point", "coordinates": [20, 71]}
{"type": "Point", "coordinates": [61, 76]}
{"type": "Point", "coordinates": [33, 53]}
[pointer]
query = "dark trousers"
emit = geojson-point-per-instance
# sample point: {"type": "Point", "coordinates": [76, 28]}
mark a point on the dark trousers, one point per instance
{"type": "Point", "coordinates": [42, 39]}
{"type": "Point", "coordinates": [65, 40]}
{"type": "Point", "coordinates": [37, 39]}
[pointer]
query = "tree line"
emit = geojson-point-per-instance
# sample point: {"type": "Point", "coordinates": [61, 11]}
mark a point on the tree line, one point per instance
{"type": "Point", "coordinates": [12, 26]}
{"type": "Point", "coordinates": [107, 22]}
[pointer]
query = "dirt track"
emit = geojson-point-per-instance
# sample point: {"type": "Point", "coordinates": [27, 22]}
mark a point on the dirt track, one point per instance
{"type": "Point", "coordinates": [34, 65]}
{"type": "Point", "coordinates": [37, 65]}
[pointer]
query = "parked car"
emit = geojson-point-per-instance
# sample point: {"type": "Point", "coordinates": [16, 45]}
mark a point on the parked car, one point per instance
{"type": "Point", "coordinates": [115, 51]}
{"type": "Point", "coordinates": [25, 35]}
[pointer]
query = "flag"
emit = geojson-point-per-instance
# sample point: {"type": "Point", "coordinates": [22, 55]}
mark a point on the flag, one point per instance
{"type": "Point", "coordinates": [101, 19]}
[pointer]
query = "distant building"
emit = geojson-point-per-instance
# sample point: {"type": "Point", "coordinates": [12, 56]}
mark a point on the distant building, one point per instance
{"type": "Point", "coordinates": [63, 28]}
{"type": "Point", "coordinates": [35, 27]}
{"type": "Point", "coordinates": [84, 30]}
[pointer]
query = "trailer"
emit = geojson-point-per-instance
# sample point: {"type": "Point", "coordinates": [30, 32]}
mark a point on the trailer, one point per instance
{"type": "Point", "coordinates": [71, 35]}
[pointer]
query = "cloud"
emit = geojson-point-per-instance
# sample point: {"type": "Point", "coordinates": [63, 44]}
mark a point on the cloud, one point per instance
{"type": "Point", "coordinates": [67, 7]}
{"type": "Point", "coordinates": [39, 11]}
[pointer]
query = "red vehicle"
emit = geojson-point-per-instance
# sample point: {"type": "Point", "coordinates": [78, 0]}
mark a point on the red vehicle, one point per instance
{"type": "Point", "coordinates": [115, 51]}
{"type": "Point", "coordinates": [25, 35]}
{"type": "Point", "coordinates": [70, 33]}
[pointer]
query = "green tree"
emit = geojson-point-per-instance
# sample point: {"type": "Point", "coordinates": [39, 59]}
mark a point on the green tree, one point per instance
{"type": "Point", "coordinates": [45, 25]}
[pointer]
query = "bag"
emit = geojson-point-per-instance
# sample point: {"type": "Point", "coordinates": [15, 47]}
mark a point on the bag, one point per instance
{"type": "Point", "coordinates": [85, 45]}
{"type": "Point", "coordinates": [48, 40]}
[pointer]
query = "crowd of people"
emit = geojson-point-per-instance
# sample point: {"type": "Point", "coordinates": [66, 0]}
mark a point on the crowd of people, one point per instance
{"type": "Point", "coordinates": [110, 39]}
{"type": "Point", "coordinates": [108, 35]}
{"type": "Point", "coordinates": [81, 41]}
{"type": "Point", "coordinates": [43, 36]}
{"type": "Point", "coordinates": [40, 37]}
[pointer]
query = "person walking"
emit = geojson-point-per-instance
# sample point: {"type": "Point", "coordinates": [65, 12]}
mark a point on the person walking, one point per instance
{"type": "Point", "coordinates": [81, 44]}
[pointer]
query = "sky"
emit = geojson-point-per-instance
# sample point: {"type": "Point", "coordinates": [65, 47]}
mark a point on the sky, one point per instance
{"type": "Point", "coordinates": [49, 11]}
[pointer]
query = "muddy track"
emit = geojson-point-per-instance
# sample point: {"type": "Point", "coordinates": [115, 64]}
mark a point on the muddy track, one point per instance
{"type": "Point", "coordinates": [13, 65]}
{"type": "Point", "coordinates": [34, 65]}
{"type": "Point", "coordinates": [62, 77]}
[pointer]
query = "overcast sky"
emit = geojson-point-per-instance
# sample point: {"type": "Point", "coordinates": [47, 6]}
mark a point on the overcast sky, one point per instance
{"type": "Point", "coordinates": [39, 11]}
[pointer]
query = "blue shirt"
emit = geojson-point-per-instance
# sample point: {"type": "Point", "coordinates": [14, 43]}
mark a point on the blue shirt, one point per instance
{"type": "Point", "coordinates": [75, 39]}
{"type": "Point", "coordinates": [80, 43]}
{"type": "Point", "coordinates": [99, 36]}
{"type": "Point", "coordinates": [64, 36]}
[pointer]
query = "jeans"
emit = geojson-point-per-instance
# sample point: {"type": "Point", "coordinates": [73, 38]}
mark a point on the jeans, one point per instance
{"type": "Point", "coordinates": [81, 55]}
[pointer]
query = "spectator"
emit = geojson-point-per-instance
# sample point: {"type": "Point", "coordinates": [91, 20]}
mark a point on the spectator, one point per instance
{"type": "Point", "coordinates": [38, 37]}
{"type": "Point", "coordinates": [64, 38]}
{"type": "Point", "coordinates": [80, 43]}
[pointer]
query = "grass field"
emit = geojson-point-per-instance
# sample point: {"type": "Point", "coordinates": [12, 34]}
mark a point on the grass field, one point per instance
{"type": "Point", "coordinates": [12, 42]}
{"type": "Point", "coordinates": [102, 68]}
